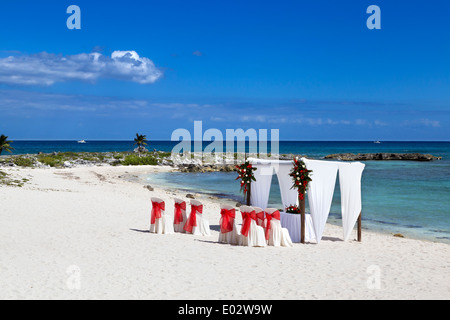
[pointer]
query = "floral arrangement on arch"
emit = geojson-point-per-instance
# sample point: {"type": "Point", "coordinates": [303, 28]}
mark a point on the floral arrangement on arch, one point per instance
{"type": "Point", "coordinates": [246, 175]}
{"type": "Point", "coordinates": [301, 177]}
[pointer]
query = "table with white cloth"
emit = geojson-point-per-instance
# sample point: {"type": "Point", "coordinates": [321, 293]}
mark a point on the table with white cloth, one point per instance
{"type": "Point", "coordinates": [292, 222]}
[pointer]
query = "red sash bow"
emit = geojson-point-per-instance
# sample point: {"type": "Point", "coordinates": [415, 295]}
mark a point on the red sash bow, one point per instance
{"type": "Point", "coordinates": [192, 221]}
{"type": "Point", "coordinates": [275, 215]}
{"type": "Point", "coordinates": [260, 218]}
{"type": "Point", "coordinates": [227, 220]}
{"type": "Point", "coordinates": [157, 207]}
{"type": "Point", "coordinates": [246, 221]}
{"type": "Point", "coordinates": [178, 216]}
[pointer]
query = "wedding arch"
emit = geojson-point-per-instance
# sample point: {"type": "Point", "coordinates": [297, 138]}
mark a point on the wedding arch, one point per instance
{"type": "Point", "coordinates": [320, 194]}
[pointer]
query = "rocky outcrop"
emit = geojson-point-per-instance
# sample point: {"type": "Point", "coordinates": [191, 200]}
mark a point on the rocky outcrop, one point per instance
{"type": "Point", "coordinates": [206, 167]}
{"type": "Point", "coordinates": [382, 156]}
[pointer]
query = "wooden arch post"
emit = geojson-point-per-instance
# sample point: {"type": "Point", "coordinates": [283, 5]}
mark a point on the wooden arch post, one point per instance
{"type": "Point", "coordinates": [249, 192]}
{"type": "Point", "coordinates": [360, 227]}
{"type": "Point", "coordinates": [302, 218]}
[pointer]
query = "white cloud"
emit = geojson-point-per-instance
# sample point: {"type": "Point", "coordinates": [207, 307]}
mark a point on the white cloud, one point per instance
{"type": "Point", "coordinates": [422, 122]}
{"type": "Point", "coordinates": [48, 68]}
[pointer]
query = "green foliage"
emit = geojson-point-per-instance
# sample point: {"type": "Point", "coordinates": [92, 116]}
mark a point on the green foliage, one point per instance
{"type": "Point", "coordinates": [7, 181]}
{"type": "Point", "coordinates": [5, 145]}
{"type": "Point", "coordinates": [135, 160]}
{"type": "Point", "coordinates": [23, 162]}
{"type": "Point", "coordinates": [140, 141]}
{"type": "Point", "coordinates": [51, 160]}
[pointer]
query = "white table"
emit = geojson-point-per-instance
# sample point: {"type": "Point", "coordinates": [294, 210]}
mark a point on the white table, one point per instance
{"type": "Point", "coordinates": [292, 222]}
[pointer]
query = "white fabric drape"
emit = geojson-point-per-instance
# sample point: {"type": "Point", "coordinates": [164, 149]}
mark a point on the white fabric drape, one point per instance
{"type": "Point", "coordinates": [260, 188]}
{"type": "Point", "coordinates": [350, 183]}
{"type": "Point", "coordinates": [289, 196]}
{"type": "Point", "coordinates": [320, 192]}
{"type": "Point", "coordinates": [292, 222]}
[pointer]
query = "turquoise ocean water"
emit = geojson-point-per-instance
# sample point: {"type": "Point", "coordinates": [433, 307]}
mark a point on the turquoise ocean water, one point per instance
{"type": "Point", "coordinates": [412, 198]}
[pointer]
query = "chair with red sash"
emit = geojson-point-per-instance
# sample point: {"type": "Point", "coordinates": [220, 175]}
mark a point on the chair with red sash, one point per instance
{"type": "Point", "coordinates": [160, 222]}
{"type": "Point", "coordinates": [179, 216]}
{"type": "Point", "coordinates": [196, 223]}
{"type": "Point", "coordinates": [260, 217]}
{"type": "Point", "coordinates": [228, 228]}
{"type": "Point", "coordinates": [252, 235]}
{"type": "Point", "coordinates": [275, 234]}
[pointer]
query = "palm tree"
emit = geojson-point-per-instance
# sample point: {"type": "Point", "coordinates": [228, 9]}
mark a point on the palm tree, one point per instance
{"type": "Point", "coordinates": [140, 141]}
{"type": "Point", "coordinates": [5, 144]}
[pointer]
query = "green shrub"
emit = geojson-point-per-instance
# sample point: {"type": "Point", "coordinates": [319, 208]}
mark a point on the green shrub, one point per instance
{"type": "Point", "coordinates": [23, 162]}
{"type": "Point", "coordinates": [135, 160]}
{"type": "Point", "coordinates": [50, 160]}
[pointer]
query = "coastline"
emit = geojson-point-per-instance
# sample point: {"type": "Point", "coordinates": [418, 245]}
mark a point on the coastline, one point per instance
{"type": "Point", "coordinates": [95, 219]}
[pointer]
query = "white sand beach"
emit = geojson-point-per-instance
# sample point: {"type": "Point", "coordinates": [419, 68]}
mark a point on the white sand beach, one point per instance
{"type": "Point", "coordinates": [82, 233]}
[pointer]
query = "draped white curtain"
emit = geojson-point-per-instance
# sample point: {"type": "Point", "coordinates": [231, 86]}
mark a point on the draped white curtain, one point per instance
{"type": "Point", "coordinates": [260, 190]}
{"type": "Point", "coordinates": [350, 183]}
{"type": "Point", "coordinates": [289, 196]}
{"type": "Point", "coordinates": [320, 192]}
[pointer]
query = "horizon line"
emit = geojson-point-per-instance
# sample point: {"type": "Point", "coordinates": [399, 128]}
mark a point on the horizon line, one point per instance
{"type": "Point", "coordinates": [157, 140]}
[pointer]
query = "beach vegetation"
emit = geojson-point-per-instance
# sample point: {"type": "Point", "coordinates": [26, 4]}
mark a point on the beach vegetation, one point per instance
{"type": "Point", "coordinates": [5, 145]}
{"type": "Point", "coordinates": [6, 180]}
{"type": "Point", "coordinates": [50, 160]}
{"type": "Point", "coordinates": [141, 142]}
{"type": "Point", "coordinates": [23, 162]}
{"type": "Point", "coordinates": [135, 160]}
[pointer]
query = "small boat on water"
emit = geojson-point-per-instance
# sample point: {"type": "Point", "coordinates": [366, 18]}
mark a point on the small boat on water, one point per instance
{"type": "Point", "coordinates": [377, 142]}
{"type": "Point", "coordinates": [81, 141]}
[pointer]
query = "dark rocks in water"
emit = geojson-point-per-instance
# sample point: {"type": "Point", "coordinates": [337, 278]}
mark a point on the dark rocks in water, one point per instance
{"type": "Point", "coordinates": [206, 167]}
{"type": "Point", "coordinates": [383, 156]}
{"type": "Point", "coordinates": [190, 196]}
{"type": "Point", "coordinates": [150, 188]}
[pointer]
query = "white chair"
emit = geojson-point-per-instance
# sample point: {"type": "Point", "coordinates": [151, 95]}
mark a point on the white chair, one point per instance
{"type": "Point", "coordinates": [228, 228]}
{"type": "Point", "coordinates": [275, 234]}
{"type": "Point", "coordinates": [252, 235]}
{"type": "Point", "coordinates": [160, 222]}
{"type": "Point", "coordinates": [260, 217]}
{"type": "Point", "coordinates": [179, 216]}
{"type": "Point", "coordinates": [196, 224]}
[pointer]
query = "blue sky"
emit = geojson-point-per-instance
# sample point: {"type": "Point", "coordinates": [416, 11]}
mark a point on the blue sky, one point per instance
{"type": "Point", "coordinates": [309, 68]}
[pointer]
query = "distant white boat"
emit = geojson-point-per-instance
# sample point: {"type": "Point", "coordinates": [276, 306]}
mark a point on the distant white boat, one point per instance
{"type": "Point", "coordinates": [81, 141]}
{"type": "Point", "coordinates": [376, 142]}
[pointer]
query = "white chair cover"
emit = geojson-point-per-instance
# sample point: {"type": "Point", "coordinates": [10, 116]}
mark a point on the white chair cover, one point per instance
{"type": "Point", "coordinates": [179, 205]}
{"type": "Point", "coordinates": [350, 182]}
{"type": "Point", "coordinates": [164, 224]}
{"type": "Point", "coordinates": [233, 236]}
{"type": "Point", "coordinates": [321, 190]}
{"type": "Point", "coordinates": [255, 236]}
{"type": "Point", "coordinates": [277, 236]}
{"type": "Point", "coordinates": [199, 226]}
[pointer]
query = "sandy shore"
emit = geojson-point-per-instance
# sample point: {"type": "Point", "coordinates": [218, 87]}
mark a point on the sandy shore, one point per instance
{"type": "Point", "coordinates": [81, 233]}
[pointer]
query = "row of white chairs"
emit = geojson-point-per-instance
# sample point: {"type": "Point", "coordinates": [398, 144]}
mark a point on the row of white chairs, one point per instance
{"type": "Point", "coordinates": [259, 227]}
{"type": "Point", "coordinates": [193, 223]}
